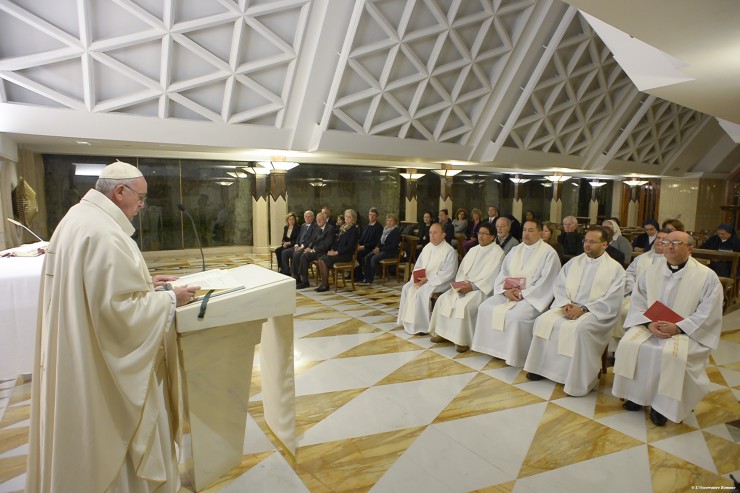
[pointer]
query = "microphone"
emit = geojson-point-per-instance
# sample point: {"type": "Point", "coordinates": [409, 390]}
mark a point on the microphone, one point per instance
{"type": "Point", "coordinates": [13, 221]}
{"type": "Point", "coordinates": [195, 230]}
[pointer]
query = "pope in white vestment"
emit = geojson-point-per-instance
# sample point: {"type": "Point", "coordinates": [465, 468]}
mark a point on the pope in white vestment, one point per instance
{"type": "Point", "coordinates": [455, 312]}
{"type": "Point", "coordinates": [104, 407]}
{"type": "Point", "coordinates": [570, 337]}
{"type": "Point", "coordinates": [505, 321]}
{"type": "Point", "coordinates": [663, 365]}
{"type": "Point", "coordinates": [439, 260]}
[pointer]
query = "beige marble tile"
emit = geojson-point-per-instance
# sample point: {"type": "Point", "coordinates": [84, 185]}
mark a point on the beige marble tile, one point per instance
{"type": "Point", "coordinates": [671, 429]}
{"type": "Point", "coordinates": [383, 344]}
{"type": "Point", "coordinates": [247, 463]}
{"type": "Point", "coordinates": [494, 364]}
{"type": "Point", "coordinates": [352, 465]}
{"type": "Point", "coordinates": [507, 487]}
{"type": "Point", "coordinates": [732, 336]}
{"type": "Point", "coordinates": [483, 395]}
{"type": "Point", "coordinates": [715, 376]}
{"type": "Point", "coordinates": [310, 409]}
{"type": "Point", "coordinates": [606, 405]}
{"type": "Point", "coordinates": [716, 408]}
{"type": "Point", "coordinates": [21, 393]}
{"type": "Point", "coordinates": [15, 414]}
{"type": "Point", "coordinates": [11, 467]}
{"type": "Point", "coordinates": [733, 366]}
{"type": "Point", "coordinates": [11, 438]}
{"type": "Point", "coordinates": [558, 392]}
{"type": "Point", "coordinates": [564, 437]}
{"type": "Point", "coordinates": [350, 326]}
{"type": "Point", "coordinates": [324, 314]}
{"type": "Point", "coordinates": [671, 473]}
{"type": "Point", "coordinates": [726, 454]}
{"type": "Point", "coordinates": [427, 365]}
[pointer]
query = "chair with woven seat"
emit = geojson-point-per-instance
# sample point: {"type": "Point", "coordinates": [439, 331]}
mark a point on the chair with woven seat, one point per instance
{"type": "Point", "coordinates": [342, 267]}
{"type": "Point", "coordinates": [387, 263]}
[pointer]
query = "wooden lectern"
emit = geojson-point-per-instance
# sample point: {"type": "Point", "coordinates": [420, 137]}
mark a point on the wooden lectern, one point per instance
{"type": "Point", "coordinates": [216, 354]}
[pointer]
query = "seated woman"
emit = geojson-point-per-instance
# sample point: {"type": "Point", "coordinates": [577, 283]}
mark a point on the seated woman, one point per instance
{"type": "Point", "coordinates": [673, 225]}
{"type": "Point", "coordinates": [725, 241]}
{"type": "Point", "coordinates": [473, 230]}
{"type": "Point", "coordinates": [424, 229]}
{"type": "Point", "coordinates": [618, 241]}
{"type": "Point", "coordinates": [343, 249]}
{"type": "Point", "coordinates": [290, 234]}
{"type": "Point", "coordinates": [644, 241]}
{"type": "Point", "coordinates": [549, 236]}
{"type": "Point", "coordinates": [387, 248]}
{"type": "Point", "coordinates": [460, 223]}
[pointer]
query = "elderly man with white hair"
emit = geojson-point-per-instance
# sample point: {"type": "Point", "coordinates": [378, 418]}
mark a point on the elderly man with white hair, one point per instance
{"type": "Point", "coordinates": [661, 360]}
{"type": "Point", "coordinates": [454, 314]}
{"type": "Point", "coordinates": [433, 272]}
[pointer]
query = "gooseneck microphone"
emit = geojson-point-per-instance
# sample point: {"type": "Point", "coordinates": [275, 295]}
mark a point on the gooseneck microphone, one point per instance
{"type": "Point", "coordinates": [18, 223]}
{"type": "Point", "coordinates": [195, 230]}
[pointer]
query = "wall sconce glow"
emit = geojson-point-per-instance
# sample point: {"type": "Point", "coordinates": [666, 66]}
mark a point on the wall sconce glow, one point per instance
{"type": "Point", "coordinates": [447, 172]}
{"type": "Point", "coordinates": [634, 182]}
{"type": "Point", "coordinates": [519, 181]}
{"type": "Point", "coordinates": [255, 170]}
{"type": "Point", "coordinates": [597, 183]}
{"type": "Point", "coordinates": [546, 184]}
{"type": "Point", "coordinates": [85, 169]}
{"type": "Point", "coordinates": [411, 176]}
{"type": "Point", "coordinates": [224, 183]}
{"type": "Point", "coordinates": [474, 181]}
{"type": "Point", "coordinates": [239, 173]}
{"type": "Point", "coordinates": [278, 165]}
{"type": "Point", "coordinates": [557, 178]}
{"type": "Point", "coordinates": [317, 183]}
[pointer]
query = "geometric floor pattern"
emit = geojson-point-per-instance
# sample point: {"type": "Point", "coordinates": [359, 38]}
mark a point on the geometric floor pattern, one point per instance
{"type": "Point", "coordinates": [379, 410]}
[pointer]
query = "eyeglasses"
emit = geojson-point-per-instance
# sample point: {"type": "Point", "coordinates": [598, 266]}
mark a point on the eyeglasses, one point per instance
{"type": "Point", "coordinates": [675, 243]}
{"type": "Point", "coordinates": [484, 233]}
{"type": "Point", "coordinates": [142, 196]}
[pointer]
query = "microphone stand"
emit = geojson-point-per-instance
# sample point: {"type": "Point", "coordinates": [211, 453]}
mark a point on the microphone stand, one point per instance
{"type": "Point", "coordinates": [195, 231]}
{"type": "Point", "coordinates": [17, 223]}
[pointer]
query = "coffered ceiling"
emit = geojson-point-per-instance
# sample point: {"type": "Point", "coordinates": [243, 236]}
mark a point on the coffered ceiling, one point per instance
{"type": "Point", "coordinates": [513, 85]}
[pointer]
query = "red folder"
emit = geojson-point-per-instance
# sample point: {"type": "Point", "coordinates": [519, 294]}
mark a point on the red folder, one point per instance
{"type": "Point", "coordinates": [515, 282]}
{"type": "Point", "coordinates": [658, 312]}
{"type": "Point", "coordinates": [418, 274]}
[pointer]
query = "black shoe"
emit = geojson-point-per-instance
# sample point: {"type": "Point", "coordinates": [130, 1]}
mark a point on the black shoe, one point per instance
{"type": "Point", "coordinates": [321, 289]}
{"type": "Point", "coordinates": [303, 285]}
{"type": "Point", "coordinates": [534, 377]}
{"type": "Point", "coordinates": [657, 418]}
{"type": "Point", "coordinates": [631, 406]}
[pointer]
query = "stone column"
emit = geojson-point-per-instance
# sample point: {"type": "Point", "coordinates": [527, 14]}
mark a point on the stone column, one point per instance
{"type": "Point", "coordinates": [278, 199]}
{"type": "Point", "coordinates": [445, 190]}
{"type": "Point", "coordinates": [260, 220]}
{"type": "Point", "coordinates": [633, 207]}
{"type": "Point", "coordinates": [556, 204]}
{"type": "Point", "coordinates": [410, 199]}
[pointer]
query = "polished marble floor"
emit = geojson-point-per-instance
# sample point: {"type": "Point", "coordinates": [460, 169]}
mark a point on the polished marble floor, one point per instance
{"type": "Point", "coordinates": [379, 410]}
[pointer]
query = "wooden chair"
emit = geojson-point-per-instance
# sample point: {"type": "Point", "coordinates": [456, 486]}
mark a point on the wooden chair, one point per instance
{"type": "Point", "coordinates": [342, 267]}
{"type": "Point", "coordinates": [386, 263]}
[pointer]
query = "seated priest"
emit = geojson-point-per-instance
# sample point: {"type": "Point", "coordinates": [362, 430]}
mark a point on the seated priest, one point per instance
{"type": "Point", "coordinates": [523, 291]}
{"type": "Point", "coordinates": [570, 338]}
{"type": "Point", "coordinates": [454, 314]}
{"type": "Point", "coordinates": [675, 319]}
{"type": "Point", "coordinates": [433, 272]}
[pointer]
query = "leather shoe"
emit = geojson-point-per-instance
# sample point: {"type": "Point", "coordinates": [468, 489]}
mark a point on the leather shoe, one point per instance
{"type": "Point", "coordinates": [303, 285]}
{"type": "Point", "coordinates": [631, 406]}
{"type": "Point", "coordinates": [534, 377]}
{"type": "Point", "coordinates": [321, 289]}
{"type": "Point", "coordinates": [436, 339]}
{"type": "Point", "coordinates": [657, 418]}
{"type": "Point", "coordinates": [461, 349]}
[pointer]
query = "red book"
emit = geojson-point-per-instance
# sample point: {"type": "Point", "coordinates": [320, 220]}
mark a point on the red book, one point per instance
{"type": "Point", "coordinates": [515, 282]}
{"type": "Point", "coordinates": [457, 285]}
{"type": "Point", "coordinates": [418, 274]}
{"type": "Point", "coordinates": [658, 312]}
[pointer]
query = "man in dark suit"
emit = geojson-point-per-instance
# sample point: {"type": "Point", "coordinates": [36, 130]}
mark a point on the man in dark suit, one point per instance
{"type": "Point", "coordinates": [321, 244]}
{"type": "Point", "coordinates": [570, 239]}
{"type": "Point", "coordinates": [493, 216]}
{"type": "Point", "coordinates": [368, 240]}
{"type": "Point", "coordinates": [447, 227]}
{"type": "Point", "coordinates": [290, 255]}
{"type": "Point", "coordinates": [330, 220]}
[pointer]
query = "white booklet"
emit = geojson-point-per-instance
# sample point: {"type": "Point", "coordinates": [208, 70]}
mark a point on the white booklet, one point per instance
{"type": "Point", "coordinates": [210, 279]}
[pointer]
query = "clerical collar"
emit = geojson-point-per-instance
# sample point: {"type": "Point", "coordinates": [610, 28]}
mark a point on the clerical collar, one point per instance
{"type": "Point", "coordinates": [594, 259]}
{"type": "Point", "coordinates": [532, 246]}
{"type": "Point", "coordinates": [676, 268]}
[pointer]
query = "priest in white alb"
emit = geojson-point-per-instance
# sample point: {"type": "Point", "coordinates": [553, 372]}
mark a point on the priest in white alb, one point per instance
{"type": "Point", "coordinates": [105, 401]}
{"type": "Point", "coordinates": [454, 314]}
{"type": "Point", "coordinates": [505, 321]}
{"type": "Point", "coordinates": [570, 337]}
{"type": "Point", "coordinates": [438, 264]}
{"type": "Point", "coordinates": [637, 267]}
{"type": "Point", "coordinates": [659, 363]}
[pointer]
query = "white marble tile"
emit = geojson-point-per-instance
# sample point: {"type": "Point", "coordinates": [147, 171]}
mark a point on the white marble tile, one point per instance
{"type": "Point", "coordinates": [325, 377]}
{"type": "Point", "coordinates": [435, 459]}
{"type": "Point", "coordinates": [584, 406]}
{"type": "Point", "coordinates": [732, 377]}
{"type": "Point", "coordinates": [689, 446]}
{"type": "Point", "coordinates": [17, 483]}
{"type": "Point", "coordinates": [421, 341]}
{"type": "Point", "coordinates": [386, 408]}
{"type": "Point", "coordinates": [20, 424]}
{"type": "Point", "coordinates": [373, 319]}
{"type": "Point", "coordinates": [403, 477]}
{"type": "Point", "coordinates": [386, 326]}
{"type": "Point", "coordinates": [721, 431]}
{"type": "Point", "coordinates": [22, 450]}
{"type": "Point", "coordinates": [302, 328]}
{"type": "Point", "coordinates": [271, 475]}
{"type": "Point", "coordinates": [632, 424]}
{"type": "Point", "coordinates": [541, 388]}
{"type": "Point", "coordinates": [323, 348]}
{"type": "Point", "coordinates": [736, 393]}
{"type": "Point", "coordinates": [255, 441]}
{"type": "Point", "coordinates": [507, 374]}
{"type": "Point", "coordinates": [357, 313]}
{"type": "Point", "coordinates": [5, 393]}
{"type": "Point", "coordinates": [626, 470]}
{"type": "Point", "coordinates": [713, 387]}
{"type": "Point", "coordinates": [727, 352]}
{"type": "Point", "coordinates": [300, 310]}
{"type": "Point", "coordinates": [446, 351]}
{"type": "Point", "coordinates": [475, 362]}
{"type": "Point", "coordinates": [691, 420]}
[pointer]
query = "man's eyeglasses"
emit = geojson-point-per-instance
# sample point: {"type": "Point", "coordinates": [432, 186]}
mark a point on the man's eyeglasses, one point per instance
{"type": "Point", "coordinates": [484, 233]}
{"type": "Point", "coordinates": [675, 243]}
{"type": "Point", "coordinates": [142, 196]}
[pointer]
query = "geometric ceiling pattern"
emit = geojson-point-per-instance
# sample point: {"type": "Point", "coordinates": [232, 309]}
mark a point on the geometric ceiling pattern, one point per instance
{"type": "Point", "coordinates": [425, 70]}
{"type": "Point", "coordinates": [497, 84]}
{"type": "Point", "coordinates": [215, 60]}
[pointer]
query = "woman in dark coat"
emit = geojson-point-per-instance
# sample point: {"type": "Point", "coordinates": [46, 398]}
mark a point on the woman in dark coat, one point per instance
{"type": "Point", "coordinates": [725, 241]}
{"type": "Point", "coordinates": [290, 234]}
{"type": "Point", "coordinates": [343, 249]}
